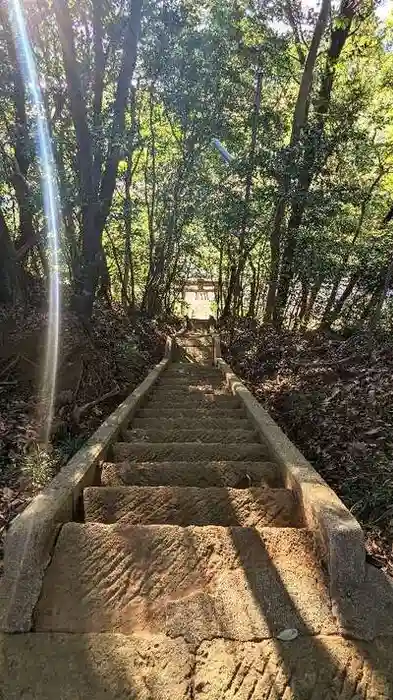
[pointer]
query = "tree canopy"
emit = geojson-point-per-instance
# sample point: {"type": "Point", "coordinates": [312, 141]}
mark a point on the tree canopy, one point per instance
{"type": "Point", "coordinates": [296, 229]}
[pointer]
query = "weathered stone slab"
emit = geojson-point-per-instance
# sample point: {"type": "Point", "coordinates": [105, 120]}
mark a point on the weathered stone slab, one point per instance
{"type": "Point", "coordinates": [175, 505]}
{"type": "Point", "coordinates": [188, 451]}
{"type": "Point", "coordinates": [229, 474]}
{"type": "Point", "coordinates": [97, 666]}
{"type": "Point", "coordinates": [309, 668]}
{"type": "Point", "coordinates": [188, 582]}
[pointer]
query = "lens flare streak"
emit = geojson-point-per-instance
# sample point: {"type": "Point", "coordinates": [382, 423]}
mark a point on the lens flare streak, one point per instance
{"type": "Point", "coordinates": [51, 209]}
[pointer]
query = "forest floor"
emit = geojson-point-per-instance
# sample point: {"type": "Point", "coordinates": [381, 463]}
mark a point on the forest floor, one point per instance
{"type": "Point", "coordinates": [331, 395]}
{"type": "Point", "coordinates": [333, 398]}
{"type": "Point", "coordinates": [98, 367]}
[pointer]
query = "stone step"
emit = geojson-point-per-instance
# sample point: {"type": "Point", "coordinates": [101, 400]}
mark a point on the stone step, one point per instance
{"type": "Point", "coordinates": [191, 422]}
{"type": "Point", "coordinates": [188, 412]}
{"type": "Point", "coordinates": [191, 369]}
{"type": "Point", "coordinates": [202, 356]}
{"type": "Point", "coordinates": [229, 474]}
{"type": "Point", "coordinates": [195, 341]}
{"type": "Point", "coordinates": [193, 582]}
{"type": "Point", "coordinates": [95, 667]}
{"type": "Point", "coordinates": [179, 505]}
{"type": "Point", "coordinates": [188, 451]}
{"type": "Point", "coordinates": [184, 391]}
{"type": "Point", "coordinates": [196, 434]}
{"type": "Point", "coordinates": [112, 666]}
{"type": "Point", "coordinates": [193, 384]}
{"type": "Point", "coordinates": [195, 400]}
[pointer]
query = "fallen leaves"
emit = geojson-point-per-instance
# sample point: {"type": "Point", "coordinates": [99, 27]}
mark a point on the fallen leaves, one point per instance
{"type": "Point", "coordinates": [332, 397]}
{"type": "Point", "coordinates": [96, 369]}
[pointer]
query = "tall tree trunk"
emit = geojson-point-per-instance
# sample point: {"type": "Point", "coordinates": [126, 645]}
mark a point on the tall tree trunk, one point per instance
{"type": "Point", "coordinates": [304, 292]}
{"type": "Point", "coordinates": [253, 291]}
{"type": "Point", "coordinates": [243, 252]}
{"type": "Point", "coordinates": [91, 242]}
{"type": "Point", "coordinates": [94, 214]}
{"type": "Point", "coordinates": [308, 168]}
{"type": "Point", "coordinates": [275, 237]}
{"type": "Point", "coordinates": [274, 308]}
{"type": "Point", "coordinates": [24, 148]}
{"type": "Point", "coordinates": [226, 312]}
{"type": "Point", "coordinates": [129, 280]}
{"type": "Point", "coordinates": [122, 91]}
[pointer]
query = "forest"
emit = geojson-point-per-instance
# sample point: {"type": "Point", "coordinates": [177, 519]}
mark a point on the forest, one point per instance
{"type": "Point", "coordinates": [296, 229]}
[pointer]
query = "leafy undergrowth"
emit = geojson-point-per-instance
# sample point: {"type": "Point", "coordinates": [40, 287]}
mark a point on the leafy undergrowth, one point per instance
{"type": "Point", "coordinates": [333, 398]}
{"type": "Point", "coordinates": [98, 366]}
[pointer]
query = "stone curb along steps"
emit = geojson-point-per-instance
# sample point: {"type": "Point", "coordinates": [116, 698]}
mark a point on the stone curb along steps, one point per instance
{"type": "Point", "coordinates": [339, 535]}
{"type": "Point", "coordinates": [185, 538]}
{"type": "Point", "coordinates": [32, 536]}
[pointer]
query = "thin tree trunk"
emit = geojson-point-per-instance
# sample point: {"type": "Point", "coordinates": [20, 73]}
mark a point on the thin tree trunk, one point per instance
{"type": "Point", "coordinates": [375, 316]}
{"type": "Point", "coordinates": [10, 287]}
{"type": "Point", "coordinates": [326, 320]}
{"type": "Point", "coordinates": [253, 291]}
{"type": "Point", "coordinates": [123, 86]}
{"type": "Point", "coordinates": [243, 253]}
{"type": "Point", "coordinates": [311, 302]}
{"type": "Point", "coordinates": [353, 280]}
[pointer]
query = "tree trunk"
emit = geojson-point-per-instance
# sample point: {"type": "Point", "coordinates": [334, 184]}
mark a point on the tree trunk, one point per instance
{"type": "Point", "coordinates": [24, 147]}
{"type": "Point", "coordinates": [253, 291]}
{"type": "Point", "coordinates": [123, 86]}
{"type": "Point", "coordinates": [353, 280]}
{"type": "Point", "coordinates": [375, 317]}
{"type": "Point", "coordinates": [10, 288]}
{"type": "Point", "coordinates": [303, 303]}
{"type": "Point", "coordinates": [129, 280]}
{"type": "Point", "coordinates": [311, 301]}
{"type": "Point", "coordinates": [326, 318]}
{"type": "Point", "coordinates": [339, 35]}
{"type": "Point", "coordinates": [275, 237]}
{"type": "Point", "coordinates": [94, 215]}
{"type": "Point", "coordinates": [226, 312]}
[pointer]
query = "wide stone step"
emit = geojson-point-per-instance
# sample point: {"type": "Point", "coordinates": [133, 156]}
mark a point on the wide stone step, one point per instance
{"type": "Point", "coordinates": [188, 451]}
{"type": "Point", "coordinates": [190, 368]}
{"type": "Point", "coordinates": [195, 434]}
{"type": "Point", "coordinates": [192, 422]}
{"type": "Point", "coordinates": [184, 391]}
{"type": "Point", "coordinates": [202, 341]}
{"type": "Point", "coordinates": [174, 505]}
{"type": "Point", "coordinates": [206, 411]}
{"type": "Point", "coordinates": [201, 356]}
{"type": "Point", "coordinates": [193, 384]}
{"type": "Point", "coordinates": [113, 666]}
{"type": "Point", "coordinates": [193, 582]}
{"type": "Point", "coordinates": [191, 400]}
{"type": "Point", "coordinates": [107, 666]}
{"type": "Point", "coordinates": [229, 474]}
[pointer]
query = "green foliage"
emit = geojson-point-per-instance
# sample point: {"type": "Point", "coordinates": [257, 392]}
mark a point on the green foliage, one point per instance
{"type": "Point", "coordinates": [177, 209]}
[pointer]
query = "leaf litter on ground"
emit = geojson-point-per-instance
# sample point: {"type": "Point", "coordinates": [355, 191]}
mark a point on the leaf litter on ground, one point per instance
{"type": "Point", "coordinates": [332, 396]}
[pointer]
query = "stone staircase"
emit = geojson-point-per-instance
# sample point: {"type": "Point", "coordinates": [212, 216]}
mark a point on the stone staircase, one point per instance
{"type": "Point", "coordinates": [189, 565]}
{"type": "Point", "coordinates": [191, 531]}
